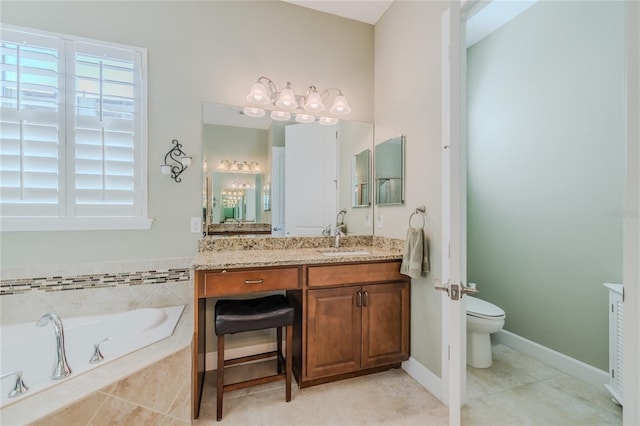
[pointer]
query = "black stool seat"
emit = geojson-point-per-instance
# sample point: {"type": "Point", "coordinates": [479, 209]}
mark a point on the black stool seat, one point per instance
{"type": "Point", "coordinates": [235, 316]}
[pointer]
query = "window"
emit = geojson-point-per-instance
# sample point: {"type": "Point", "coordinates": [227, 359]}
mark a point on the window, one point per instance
{"type": "Point", "coordinates": [72, 133]}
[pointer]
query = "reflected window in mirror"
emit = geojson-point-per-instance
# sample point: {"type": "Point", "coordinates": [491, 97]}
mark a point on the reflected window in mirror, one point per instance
{"type": "Point", "coordinates": [360, 178]}
{"type": "Point", "coordinates": [389, 171]}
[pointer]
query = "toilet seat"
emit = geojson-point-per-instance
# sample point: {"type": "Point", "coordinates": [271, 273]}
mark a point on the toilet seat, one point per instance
{"type": "Point", "coordinates": [483, 309]}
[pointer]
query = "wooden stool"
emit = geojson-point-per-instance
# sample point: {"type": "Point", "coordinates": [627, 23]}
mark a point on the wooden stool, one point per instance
{"type": "Point", "coordinates": [236, 316]}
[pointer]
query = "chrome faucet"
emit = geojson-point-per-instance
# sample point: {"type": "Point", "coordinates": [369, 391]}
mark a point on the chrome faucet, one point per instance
{"type": "Point", "coordinates": [61, 368]}
{"type": "Point", "coordinates": [337, 233]}
{"type": "Point", "coordinates": [20, 387]}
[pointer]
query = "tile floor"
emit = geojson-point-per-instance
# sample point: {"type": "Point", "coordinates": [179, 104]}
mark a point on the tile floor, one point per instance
{"type": "Point", "coordinates": [516, 390]}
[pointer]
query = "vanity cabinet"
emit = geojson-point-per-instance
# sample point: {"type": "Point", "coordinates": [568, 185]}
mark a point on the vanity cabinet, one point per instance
{"type": "Point", "coordinates": [357, 319]}
{"type": "Point", "coordinates": [351, 318]}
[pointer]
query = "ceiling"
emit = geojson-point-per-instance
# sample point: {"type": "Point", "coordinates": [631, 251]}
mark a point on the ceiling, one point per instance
{"type": "Point", "coordinates": [368, 11]}
{"type": "Point", "coordinates": [493, 15]}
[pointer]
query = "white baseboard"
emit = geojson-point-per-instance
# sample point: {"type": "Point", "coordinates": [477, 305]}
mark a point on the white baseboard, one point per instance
{"type": "Point", "coordinates": [425, 377]}
{"type": "Point", "coordinates": [571, 366]}
{"type": "Point", "coordinates": [211, 358]}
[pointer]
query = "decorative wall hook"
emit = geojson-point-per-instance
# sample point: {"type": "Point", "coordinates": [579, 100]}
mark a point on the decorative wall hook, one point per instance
{"type": "Point", "coordinates": [175, 161]}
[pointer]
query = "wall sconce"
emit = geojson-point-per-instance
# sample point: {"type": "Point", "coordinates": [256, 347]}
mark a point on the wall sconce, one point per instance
{"type": "Point", "coordinates": [175, 161]}
{"type": "Point", "coordinates": [236, 167]}
{"type": "Point", "coordinates": [264, 92]}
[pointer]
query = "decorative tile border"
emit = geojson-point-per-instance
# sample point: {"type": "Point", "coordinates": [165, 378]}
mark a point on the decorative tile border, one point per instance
{"type": "Point", "coordinates": [83, 282]}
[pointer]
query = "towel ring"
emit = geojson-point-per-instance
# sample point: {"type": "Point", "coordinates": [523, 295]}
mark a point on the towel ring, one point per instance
{"type": "Point", "coordinates": [420, 210]}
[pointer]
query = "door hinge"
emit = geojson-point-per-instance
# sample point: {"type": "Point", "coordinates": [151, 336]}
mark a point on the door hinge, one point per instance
{"type": "Point", "coordinates": [449, 352]}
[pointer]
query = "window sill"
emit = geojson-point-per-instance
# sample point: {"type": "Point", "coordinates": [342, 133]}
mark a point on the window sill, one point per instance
{"type": "Point", "coordinates": [18, 224]}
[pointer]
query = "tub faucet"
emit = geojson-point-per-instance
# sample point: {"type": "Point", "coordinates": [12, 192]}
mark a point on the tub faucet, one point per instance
{"type": "Point", "coordinates": [61, 368]}
{"type": "Point", "coordinates": [20, 387]}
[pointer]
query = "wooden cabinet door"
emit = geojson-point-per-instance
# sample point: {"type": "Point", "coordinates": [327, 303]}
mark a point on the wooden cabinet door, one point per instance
{"type": "Point", "coordinates": [385, 324]}
{"type": "Point", "coordinates": [334, 330]}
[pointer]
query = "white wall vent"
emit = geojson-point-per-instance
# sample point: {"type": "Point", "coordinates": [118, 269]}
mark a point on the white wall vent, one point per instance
{"type": "Point", "coordinates": [616, 341]}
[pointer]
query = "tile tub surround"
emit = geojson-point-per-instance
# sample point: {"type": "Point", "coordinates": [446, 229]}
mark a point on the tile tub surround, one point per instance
{"type": "Point", "coordinates": [162, 282]}
{"type": "Point", "coordinates": [231, 252]}
{"type": "Point", "coordinates": [137, 364]}
{"type": "Point", "coordinates": [158, 394]}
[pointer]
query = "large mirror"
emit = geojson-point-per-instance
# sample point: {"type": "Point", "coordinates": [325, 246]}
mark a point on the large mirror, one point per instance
{"type": "Point", "coordinates": [389, 170]}
{"type": "Point", "coordinates": [280, 177]}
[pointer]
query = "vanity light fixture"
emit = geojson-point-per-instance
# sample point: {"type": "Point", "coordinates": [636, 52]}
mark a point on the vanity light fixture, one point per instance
{"type": "Point", "coordinates": [175, 161]}
{"type": "Point", "coordinates": [265, 93]}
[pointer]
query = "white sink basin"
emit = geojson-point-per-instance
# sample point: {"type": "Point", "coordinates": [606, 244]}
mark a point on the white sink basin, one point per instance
{"type": "Point", "coordinates": [346, 253]}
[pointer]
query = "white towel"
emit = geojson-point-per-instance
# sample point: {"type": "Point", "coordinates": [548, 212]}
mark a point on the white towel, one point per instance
{"type": "Point", "coordinates": [415, 258]}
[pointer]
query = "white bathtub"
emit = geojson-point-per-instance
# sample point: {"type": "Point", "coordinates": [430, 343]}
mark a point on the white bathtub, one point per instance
{"type": "Point", "coordinates": [31, 349]}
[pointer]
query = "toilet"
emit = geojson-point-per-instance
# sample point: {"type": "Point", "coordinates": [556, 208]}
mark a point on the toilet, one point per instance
{"type": "Point", "coordinates": [483, 318]}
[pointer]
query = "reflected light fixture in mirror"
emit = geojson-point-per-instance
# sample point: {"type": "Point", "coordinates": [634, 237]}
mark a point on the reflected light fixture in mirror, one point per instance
{"type": "Point", "coordinates": [281, 115]}
{"type": "Point", "coordinates": [327, 121]}
{"type": "Point", "coordinates": [305, 118]}
{"type": "Point", "coordinates": [254, 112]}
{"type": "Point", "coordinates": [244, 167]}
{"type": "Point", "coordinates": [265, 93]}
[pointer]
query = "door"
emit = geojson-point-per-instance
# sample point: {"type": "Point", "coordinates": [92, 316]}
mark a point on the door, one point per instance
{"type": "Point", "coordinates": [385, 323]}
{"type": "Point", "coordinates": [334, 329]}
{"type": "Point", "coordinates": [310, 162]}
{"type": "Point", "coordinates": [453, 213]}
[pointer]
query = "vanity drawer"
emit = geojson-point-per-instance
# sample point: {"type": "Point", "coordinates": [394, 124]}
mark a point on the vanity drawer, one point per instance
{"type": "Point", "coordinates": [361, 273]}
{"type": "Point", "coordinates": [248, 281]}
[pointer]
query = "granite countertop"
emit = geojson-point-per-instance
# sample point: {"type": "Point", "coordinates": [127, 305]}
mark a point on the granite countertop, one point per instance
{"type": "Point", "coordinates": [239, 252]}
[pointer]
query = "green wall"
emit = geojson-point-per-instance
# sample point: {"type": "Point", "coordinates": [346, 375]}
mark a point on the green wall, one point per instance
{"type": "Point", "coordinates": [546, 172]}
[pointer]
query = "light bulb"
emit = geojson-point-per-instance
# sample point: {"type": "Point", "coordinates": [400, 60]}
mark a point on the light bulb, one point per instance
{"type": "Point", "coordinates": [340, 106]}
{"type": "Point", "coordinates": [258, 94]}
{"type": "Point", "coordinates": [314, 102]}
{"type": "Point", "coordinates": [287, 98]}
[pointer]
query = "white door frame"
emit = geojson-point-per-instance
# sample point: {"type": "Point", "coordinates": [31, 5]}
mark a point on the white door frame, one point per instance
{"type": "Point", "coordinates": [453, 370]}
{"type": "Point", "coordinates": [454, 328]}
{"type": "Point", "coordinates": [631, 248]}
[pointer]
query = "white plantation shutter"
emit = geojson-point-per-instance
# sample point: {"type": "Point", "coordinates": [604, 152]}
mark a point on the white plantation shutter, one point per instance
{"type": "Point", "coordinates": [30, 125]}
{"type": "Point", "coordinates": [106, 111]}
{"type": "Point", "coordinates": [73, 131]}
